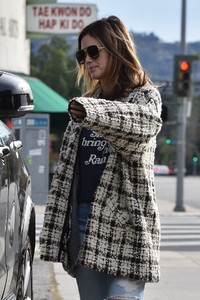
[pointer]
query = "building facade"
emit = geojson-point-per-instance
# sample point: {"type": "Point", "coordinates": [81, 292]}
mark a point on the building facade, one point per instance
{"type": "Point", "coordinates": [14, 46]}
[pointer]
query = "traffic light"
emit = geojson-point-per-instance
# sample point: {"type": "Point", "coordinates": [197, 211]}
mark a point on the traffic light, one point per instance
{"type": "Point", "coordinates": [182, 75]}
{"type": "Point", "coordinates": [168, 141]}
{"type": "Point", "coordinates": [195, 159]}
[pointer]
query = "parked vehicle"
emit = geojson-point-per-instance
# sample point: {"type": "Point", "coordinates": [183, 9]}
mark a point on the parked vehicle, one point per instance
{"type": "Point", "coordinates": [174, 171]}
{"type": "Point", "coordinates": [161, 170]}
{"type": "Point", "coordinates": [17, 213]}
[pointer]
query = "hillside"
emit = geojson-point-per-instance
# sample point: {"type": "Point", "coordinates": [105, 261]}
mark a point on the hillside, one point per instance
{"type": "Point", "coordinates": [157, 56]}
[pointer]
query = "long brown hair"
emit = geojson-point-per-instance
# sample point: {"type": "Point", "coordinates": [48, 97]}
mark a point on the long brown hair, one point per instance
{"type": "Point", "coordinates": [124, 69]}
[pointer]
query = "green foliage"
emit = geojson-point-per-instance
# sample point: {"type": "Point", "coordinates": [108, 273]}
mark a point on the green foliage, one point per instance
{"type": "Point", "coordinates": [53, 65]}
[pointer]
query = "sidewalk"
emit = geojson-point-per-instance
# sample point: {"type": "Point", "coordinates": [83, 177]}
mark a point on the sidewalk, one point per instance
{"type": "Point", "coordinates": [180, 271]}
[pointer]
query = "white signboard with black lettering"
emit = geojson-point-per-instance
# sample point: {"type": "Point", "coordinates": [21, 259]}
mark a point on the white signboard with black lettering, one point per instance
{"type": "Point", "coordinates": [59, 18]}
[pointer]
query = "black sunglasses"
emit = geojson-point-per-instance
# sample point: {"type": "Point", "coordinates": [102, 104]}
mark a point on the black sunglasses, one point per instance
{"type": "Point", "coordinates": [93, 52]}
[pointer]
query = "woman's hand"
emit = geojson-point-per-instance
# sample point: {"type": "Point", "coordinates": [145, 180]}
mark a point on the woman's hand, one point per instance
{"type": "Point", "coordinates": [77, 111]}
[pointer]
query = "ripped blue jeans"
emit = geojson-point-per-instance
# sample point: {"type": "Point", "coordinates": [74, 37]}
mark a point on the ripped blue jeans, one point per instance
{"type": "Point", "coordinates": [94, 285]}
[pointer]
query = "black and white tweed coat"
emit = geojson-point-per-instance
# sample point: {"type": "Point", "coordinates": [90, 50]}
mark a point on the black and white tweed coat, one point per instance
{"type": "Point", "coordinates": [123, 229]}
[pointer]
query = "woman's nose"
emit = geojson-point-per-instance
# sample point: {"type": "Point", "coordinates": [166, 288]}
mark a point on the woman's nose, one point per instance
{"type": "Point", "coordinates": [87, 58]}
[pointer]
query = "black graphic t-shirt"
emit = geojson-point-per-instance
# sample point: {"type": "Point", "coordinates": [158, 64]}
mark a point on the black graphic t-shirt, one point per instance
{"type": "Point", "coordinates": [93, 153]}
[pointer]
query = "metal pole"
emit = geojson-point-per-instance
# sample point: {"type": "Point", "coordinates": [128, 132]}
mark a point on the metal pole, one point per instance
{"type": "Point", "coordinates": [181, 154]}
{"type": "Point", "coordinates": [182, 111]}
{"type": "Point", "coordinates": [183, 27]}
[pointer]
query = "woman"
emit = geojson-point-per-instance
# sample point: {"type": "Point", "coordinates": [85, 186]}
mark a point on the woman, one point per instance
{"type": "Point", "coordinates": [101, 218]}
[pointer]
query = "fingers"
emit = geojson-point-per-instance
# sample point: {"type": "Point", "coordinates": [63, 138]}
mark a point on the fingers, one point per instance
{"type": "Point", "coordinates": [77, 111]}
{"type": "Point", "coordinates": [76, 106]}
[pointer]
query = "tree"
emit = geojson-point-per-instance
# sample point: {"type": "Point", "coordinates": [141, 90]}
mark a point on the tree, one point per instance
{"type": "Point", "coordinates": [55, 67]}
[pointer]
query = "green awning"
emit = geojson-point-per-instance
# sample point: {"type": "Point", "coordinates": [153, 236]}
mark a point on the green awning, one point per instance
{"type": "Point", "coordinates": [45, 99]}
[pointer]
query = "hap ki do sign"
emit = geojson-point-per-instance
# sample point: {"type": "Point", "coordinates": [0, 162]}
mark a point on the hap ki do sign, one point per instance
{"type": "Point", "coordinates": [59, 18]}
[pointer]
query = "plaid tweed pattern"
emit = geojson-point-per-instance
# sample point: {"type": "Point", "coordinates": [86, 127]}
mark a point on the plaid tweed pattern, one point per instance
{"type": "Point", "coordinates": [123, 229]}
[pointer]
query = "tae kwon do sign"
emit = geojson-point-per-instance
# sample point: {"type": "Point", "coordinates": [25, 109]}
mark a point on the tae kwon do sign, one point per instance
{"type": "Point", "coordinates": [59, 18]}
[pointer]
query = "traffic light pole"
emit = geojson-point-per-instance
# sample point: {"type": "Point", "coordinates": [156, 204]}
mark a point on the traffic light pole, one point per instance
{"type": "Point", "coordinates": [182, 112]}
{"type": "Point", "coordinates": [182, 108]}
{"type": "Point", "coordinates": [183, 27]}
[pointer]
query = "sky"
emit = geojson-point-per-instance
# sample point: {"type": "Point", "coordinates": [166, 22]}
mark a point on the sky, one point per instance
{"type": "Point", "coordinates": [163, 18]}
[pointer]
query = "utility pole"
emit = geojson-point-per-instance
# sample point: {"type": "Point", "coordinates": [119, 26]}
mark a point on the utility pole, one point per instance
{"type": "Point", "coordinates": [182, 112]}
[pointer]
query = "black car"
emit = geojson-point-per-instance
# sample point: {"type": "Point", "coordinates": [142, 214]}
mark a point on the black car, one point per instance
{"type": "Point", "coordinates": [17, 213]}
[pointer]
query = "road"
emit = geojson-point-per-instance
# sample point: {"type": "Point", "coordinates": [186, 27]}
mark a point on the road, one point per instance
{"type": "Point", "coordinates": [180, 233]}
{"type": "Point", "coordinates": [166, 189]}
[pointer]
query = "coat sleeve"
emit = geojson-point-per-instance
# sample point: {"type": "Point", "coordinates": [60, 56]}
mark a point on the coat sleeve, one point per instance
{"type": "Point", "coordinates": [131, 123]}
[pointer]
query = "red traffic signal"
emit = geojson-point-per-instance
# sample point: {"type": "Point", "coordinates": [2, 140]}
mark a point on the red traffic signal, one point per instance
{"type": "Point", "coordinates": [184, 65]}
{"type": "Point", "coordinates": [182, 75]}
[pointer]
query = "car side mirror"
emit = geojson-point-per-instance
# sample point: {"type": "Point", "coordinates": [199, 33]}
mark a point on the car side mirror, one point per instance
{"type": "Point", "coordinates": [16, 98]}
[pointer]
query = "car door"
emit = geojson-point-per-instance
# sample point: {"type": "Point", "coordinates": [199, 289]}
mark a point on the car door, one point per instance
{"type": "Point", "coordinates": [16, 100]}
{"type": "Point", "coordinates": [3, 208]}
{"type": "Point", "coordinates": [13, 237]}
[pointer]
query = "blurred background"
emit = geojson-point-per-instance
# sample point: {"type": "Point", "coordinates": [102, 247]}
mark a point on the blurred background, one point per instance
{"type": "Point", "coordinates": [38, 40]}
